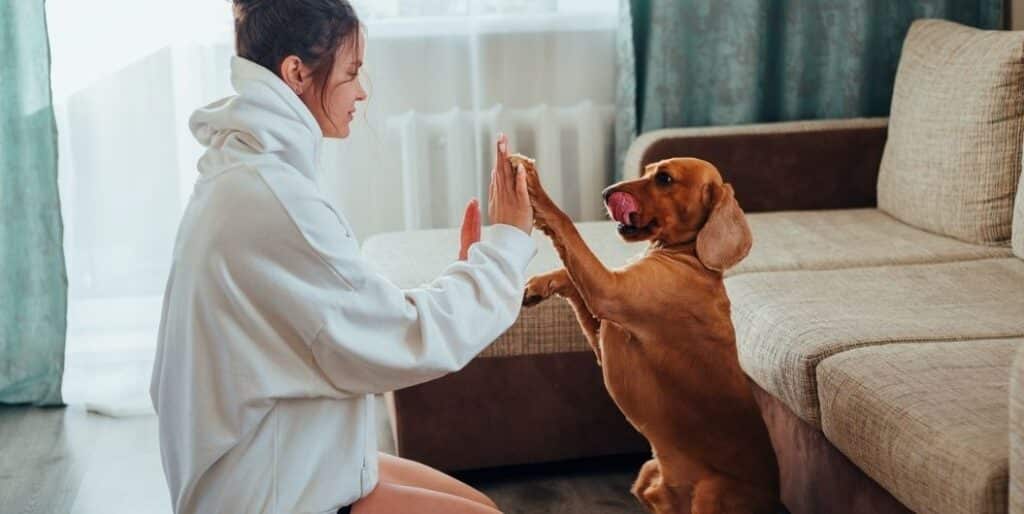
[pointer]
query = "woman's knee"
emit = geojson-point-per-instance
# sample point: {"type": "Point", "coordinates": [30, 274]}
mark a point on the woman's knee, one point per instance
{"type": "Point", "coordinates": [389, 498]}
{"type": "Point", "coordinates": [411, 473]}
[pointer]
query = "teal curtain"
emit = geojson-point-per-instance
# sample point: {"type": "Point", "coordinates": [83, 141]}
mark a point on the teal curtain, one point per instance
{"type": "Point", "coordinates": [724, 62]}
{"type": "Point", "coordinates": [33, 279]}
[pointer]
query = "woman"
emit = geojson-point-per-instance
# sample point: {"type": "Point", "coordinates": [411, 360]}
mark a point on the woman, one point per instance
{"type": "Point", "coordinates": [275, 333]}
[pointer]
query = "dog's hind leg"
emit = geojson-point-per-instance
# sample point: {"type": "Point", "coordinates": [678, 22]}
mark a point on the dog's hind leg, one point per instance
{"type": "Point", "coordinates": [656, 494]}
{"type": "Point", "coordinates": [557, 282]}
{"type": "Point", "coordinates": [648, 478]}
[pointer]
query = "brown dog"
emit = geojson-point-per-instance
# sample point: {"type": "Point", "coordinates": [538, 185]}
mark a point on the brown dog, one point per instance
{"type": "Point", "coordinates": [663, 335]}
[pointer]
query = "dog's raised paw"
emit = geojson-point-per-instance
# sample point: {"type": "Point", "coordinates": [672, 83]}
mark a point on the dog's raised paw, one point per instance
{"type": "Point", "coordinates": [537, 290]}
{"type": "Point", "coordinates": [531, 299]}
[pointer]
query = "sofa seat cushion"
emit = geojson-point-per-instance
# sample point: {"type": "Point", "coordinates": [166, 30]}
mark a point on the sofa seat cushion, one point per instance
{"type": "Point", "coordinates": [953, 154]}
{"type": "Point", "coordinates": [847, 238]}
{"type": "Point", "coordinates": [927, 421]}
{"type": "Point", "coordinates": [788, 322]}
{"type": "Point", "coordinates": [782, 241]}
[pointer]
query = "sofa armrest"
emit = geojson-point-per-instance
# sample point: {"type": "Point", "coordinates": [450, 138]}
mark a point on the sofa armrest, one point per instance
{"type": "Point", "coordinates": [823, 164]}
{"type": "Point", "coordinates": [1016, 488]}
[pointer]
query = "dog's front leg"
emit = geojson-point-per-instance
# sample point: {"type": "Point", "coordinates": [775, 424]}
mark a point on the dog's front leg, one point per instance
{"type": "Point", "coordinates": [599, 287]}
{"type": "Point", "coordinates": [557, 282]}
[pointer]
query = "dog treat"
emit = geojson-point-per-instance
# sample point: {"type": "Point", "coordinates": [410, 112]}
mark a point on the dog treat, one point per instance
{"type": "Point", "coordinates": [517, 158]}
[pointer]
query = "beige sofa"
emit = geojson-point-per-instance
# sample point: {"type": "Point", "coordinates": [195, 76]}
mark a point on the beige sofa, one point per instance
{"type": "Point", "coordinates": [879, 331]}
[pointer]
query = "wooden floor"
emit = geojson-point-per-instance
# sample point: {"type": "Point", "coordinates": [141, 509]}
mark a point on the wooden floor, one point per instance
{"type": "Point", "coordinates": [596, 486]}
{"type": "Point", "coordinates": [69, 461]}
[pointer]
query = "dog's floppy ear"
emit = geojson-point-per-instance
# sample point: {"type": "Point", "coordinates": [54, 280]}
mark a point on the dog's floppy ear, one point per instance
{"type": "Point", "coordinates": [725, 238]}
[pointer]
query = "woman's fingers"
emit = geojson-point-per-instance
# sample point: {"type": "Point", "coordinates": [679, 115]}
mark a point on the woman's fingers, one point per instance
{"type": "Point", "coordinates": [521, 189]}
{"type": "Point", "coordinates": [501, 157]}
{"type": "Point", "coordinates": [523, 192]}
{"type": "Point", "coordinates": [498, 203]}
{"type": "Point", "coordinates": [506, 173]}
{"type": "Point", "coordinates": [501, 165]}
{"type": "Point", "coordinates": [492, 197]}
{"type": "Point", "coordinates": [470, 228]}
{"type": "Point", "coordinates": [501, 148]}
{"type": "Point", "coordinates": [510, 201]}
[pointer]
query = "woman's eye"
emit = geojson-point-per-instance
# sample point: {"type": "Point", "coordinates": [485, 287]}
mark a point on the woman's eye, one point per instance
{"type": "Point", "coordinates": [663, 179]}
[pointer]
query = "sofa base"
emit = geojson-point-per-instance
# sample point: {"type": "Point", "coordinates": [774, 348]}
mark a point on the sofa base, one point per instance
{"type": "Point", "coordinates": [502, 411]}
{"type": "Point", "coordinates": [816, 477]}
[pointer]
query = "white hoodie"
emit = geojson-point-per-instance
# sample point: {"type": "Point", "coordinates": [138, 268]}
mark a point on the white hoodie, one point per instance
{"type": "Point", "coordinates": [275, 332]}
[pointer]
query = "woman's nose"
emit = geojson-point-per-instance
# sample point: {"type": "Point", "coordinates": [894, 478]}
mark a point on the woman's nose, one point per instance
{"type": "Point", "coordinates": [363, 95]}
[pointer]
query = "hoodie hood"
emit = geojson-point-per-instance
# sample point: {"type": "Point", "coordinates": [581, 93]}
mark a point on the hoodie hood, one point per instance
{"type": "Point", "coordinates": [265, 118]}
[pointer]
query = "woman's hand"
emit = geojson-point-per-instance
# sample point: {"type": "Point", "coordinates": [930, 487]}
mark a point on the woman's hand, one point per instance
{"type": "Point", "coordinates": [509, 200]}
{"type": "Point", "coordinates": [470, 228]}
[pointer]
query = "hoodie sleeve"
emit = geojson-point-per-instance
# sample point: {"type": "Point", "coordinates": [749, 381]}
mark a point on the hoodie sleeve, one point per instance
{"type": "Point", "coordinates": [375, 337]}
{"type": "Point", "coordinates": [387, 338]}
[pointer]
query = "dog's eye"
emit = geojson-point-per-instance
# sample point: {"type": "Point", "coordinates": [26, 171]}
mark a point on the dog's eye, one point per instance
{"type": "Point", "coordinates": [662, 178]}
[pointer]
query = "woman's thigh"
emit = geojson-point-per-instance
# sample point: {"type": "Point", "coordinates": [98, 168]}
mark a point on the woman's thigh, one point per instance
{"type": "Point", "coordinates": [397, 470]}
{"type": "Point", "coordinates": [390, 498]}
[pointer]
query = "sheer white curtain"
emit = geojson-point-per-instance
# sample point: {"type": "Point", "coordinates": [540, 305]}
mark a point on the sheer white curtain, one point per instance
{"type": "Point", "coordinates": [443, 76]}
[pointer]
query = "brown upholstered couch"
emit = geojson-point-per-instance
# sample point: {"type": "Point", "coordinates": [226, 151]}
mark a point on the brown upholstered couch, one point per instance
{"type": "Point", "coordinates": [881, 352]}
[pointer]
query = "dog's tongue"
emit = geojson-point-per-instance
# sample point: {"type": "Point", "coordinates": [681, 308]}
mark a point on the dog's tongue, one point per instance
{"type": "Point", "coordinates": [621, 206]}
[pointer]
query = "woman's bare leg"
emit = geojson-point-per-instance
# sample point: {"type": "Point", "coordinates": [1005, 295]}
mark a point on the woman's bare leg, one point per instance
{"type": "Point", "coordinates": [389, 498]}
{"type": "Point", "coordinates": [397, 470]}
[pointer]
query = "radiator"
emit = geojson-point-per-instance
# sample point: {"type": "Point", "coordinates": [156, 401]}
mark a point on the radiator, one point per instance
{"type": "Point", "coordinates": [446, 158]}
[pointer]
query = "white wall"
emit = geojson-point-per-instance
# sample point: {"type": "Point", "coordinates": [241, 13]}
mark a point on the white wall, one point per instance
{"type": "Point", "coordinates": [1016, 14]}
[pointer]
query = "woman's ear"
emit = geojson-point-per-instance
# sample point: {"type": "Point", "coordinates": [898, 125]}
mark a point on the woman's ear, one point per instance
{"type": "Point", "coordinates": [295, 74]}
{"type": "Point", "coordinates": [725, 238]}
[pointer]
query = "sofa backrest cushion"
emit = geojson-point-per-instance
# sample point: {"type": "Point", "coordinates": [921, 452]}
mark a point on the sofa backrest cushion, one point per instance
{"type": "Point", "coordinates": [953, 154]}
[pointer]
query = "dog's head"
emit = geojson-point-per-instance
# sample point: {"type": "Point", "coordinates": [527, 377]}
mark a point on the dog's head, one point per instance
{"type": "Point", "coordinates": [679, 201]}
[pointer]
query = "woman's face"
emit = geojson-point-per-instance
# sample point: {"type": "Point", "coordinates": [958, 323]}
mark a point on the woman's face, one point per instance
{"type": "Point", "coordinates": [337, 108]}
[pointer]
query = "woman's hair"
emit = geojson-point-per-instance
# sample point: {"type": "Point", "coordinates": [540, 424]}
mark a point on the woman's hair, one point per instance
{"type": "Point", "coordinates": [268, 31]}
